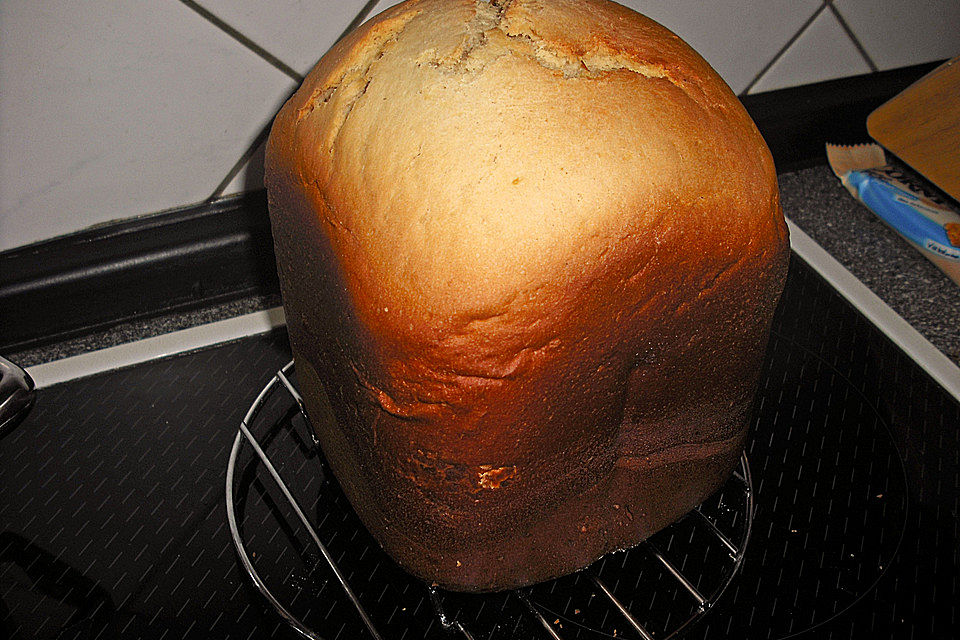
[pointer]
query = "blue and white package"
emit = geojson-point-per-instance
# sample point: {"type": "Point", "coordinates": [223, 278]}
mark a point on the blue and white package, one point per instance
{"type": "Point", "coordinates": [911, 209]}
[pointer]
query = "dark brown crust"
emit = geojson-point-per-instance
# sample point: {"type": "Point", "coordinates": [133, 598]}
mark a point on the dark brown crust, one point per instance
{"type": "Point", "coordinates": [500, 422]}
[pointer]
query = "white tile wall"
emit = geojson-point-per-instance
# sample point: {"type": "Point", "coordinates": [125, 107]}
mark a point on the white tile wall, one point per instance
{"type": "Point", "coordinates": [736, 41]}
{"type": "Point", "coordinates": [250, 175]}
{"type": "Point", "coordinates": [896, 34]}
{"type": "Point", "coordinates": [297, 32]}
{"type": "Point", "coordinates": [110, 110]}
{"type": "Point", "coordinates": [822, 51]}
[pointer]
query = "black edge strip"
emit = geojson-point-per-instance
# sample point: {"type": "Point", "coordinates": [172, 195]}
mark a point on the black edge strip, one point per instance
{"type": "Point", "coordinates": [173, 261]}
{"type": "Point", "coordinates": [796, 122]}
{"type": "Point", "coordinates": [220, 251]}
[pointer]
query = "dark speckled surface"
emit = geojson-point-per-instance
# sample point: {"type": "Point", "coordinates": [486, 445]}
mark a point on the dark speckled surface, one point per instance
{"type": "Point", "coordinates": [875, 254]}
{"type": "Point", "coordinates": [137, 330]}
{"type": "Point", "coordinates": [812, 198]}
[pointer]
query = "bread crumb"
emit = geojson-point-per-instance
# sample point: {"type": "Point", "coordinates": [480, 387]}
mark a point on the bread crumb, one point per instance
{"type": "Point", "coordinates": [953, 232]}
{"type": "Point", "coordinates": [491, 478]}
{"type": "Point", "coordinates": [516, 181]}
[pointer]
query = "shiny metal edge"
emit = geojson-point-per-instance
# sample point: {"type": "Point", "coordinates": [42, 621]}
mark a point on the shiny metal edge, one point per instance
{"type": "Point", "coordinates": [123, 355]}
{"type": "Point", "coordinates": [878, 312]}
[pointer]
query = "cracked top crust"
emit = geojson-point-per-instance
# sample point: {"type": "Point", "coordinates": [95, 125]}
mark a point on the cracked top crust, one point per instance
{"type": "Point", "coordinates": [417, 129]}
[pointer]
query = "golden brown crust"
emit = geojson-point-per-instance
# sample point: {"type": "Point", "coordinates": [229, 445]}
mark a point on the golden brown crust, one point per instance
{"type": "Point", "coordinates": [531, 250]}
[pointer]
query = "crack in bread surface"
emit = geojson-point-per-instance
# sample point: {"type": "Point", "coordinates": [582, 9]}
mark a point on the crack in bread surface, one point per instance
{"type": "Point", "coordinates": [486, 38]}
{"type": "Point", "coordinates": [486, 19]}
{"type": "Point", "coordinates": [489, 33]}
{"type": "Point", "coordinates": [592, 64]}
{"type": "Point", "coordinates": [349, 86]}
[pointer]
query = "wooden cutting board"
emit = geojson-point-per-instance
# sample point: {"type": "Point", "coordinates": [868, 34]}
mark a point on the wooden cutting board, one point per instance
{"type": "Point", "coordinates": [921, 126]}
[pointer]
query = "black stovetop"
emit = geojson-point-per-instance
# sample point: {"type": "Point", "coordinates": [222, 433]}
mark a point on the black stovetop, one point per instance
{"type": "Point", "coordinates": [112, 518]}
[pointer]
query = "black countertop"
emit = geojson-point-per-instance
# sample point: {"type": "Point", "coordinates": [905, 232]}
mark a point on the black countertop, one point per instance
{"type": "Point", "coordinates": [113, 523]}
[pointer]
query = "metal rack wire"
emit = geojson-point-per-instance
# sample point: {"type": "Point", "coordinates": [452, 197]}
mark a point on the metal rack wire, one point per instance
{"type": "Point", "coordinates": [708, 560]}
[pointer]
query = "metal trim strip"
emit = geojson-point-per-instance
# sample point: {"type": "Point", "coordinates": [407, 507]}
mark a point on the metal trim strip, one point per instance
{"type": "Point", "coordinates": [130, 353]}
{"type": "Point", "coordinates": [888, 321]}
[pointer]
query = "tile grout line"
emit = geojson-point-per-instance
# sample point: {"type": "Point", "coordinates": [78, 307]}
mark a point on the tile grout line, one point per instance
{"type": "Point", "coordinates": [239, 164]}
{"type": "Point", "coordinates": [277, 63]}
{"type": "Point", "coordinates": [252, 46]}
{"type": "Point", "coordinates": [853, 37]}
{"type": "Point", "coordinates": [358, 19]}
{"type": "Point", "coordinates": [264, 55]}
{"type": "Point", "coordinates": [784, 48]}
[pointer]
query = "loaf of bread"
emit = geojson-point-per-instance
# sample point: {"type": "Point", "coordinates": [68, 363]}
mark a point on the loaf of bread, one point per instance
{"type": "Point", "coordinates": [529, 254]}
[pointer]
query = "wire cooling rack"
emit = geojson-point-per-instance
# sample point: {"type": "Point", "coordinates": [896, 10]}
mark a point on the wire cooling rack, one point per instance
{"type": "Point", "coordinates": [352, 589]}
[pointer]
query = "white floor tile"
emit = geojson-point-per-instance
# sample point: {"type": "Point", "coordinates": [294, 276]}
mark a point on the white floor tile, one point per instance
{"type": "Point", "coordinates": [298, 32]}
{"type": "Point", "coordinates": [897, 33]}
{"type": "Point", "coordinates": [822, 52]}
{"type": "Point", "coordinates": [110, 110]}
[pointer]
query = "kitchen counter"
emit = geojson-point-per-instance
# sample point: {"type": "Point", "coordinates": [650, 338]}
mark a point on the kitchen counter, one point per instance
{"type": "Point", "coordinates": [112, 519]}
{"type": "Point", "coordinates": [909, 283]}
{"type": "Point", "coordinates": [812, 198]}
